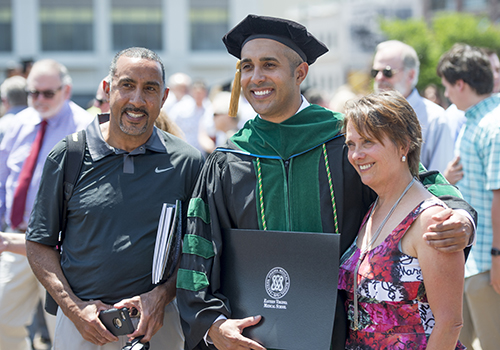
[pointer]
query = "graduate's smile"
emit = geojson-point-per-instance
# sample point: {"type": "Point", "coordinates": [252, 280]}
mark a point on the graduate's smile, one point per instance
{"type": "Point", "coordinates": [262, 93]}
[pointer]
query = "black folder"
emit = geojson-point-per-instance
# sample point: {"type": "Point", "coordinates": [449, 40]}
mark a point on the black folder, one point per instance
{"type": "Point", "coordinates": [290, 278]}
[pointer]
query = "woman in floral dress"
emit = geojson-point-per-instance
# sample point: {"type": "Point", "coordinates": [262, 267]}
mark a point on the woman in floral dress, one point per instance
{"type": "Point", "coordinates": [401, 293]}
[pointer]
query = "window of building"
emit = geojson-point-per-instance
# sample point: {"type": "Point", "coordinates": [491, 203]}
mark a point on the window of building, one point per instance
{"type": "Point", "coordinates": [476, 5]}
{"type": "Point", "coordinates": [209, 22]}
{"type": "Point", "coordinates": [137, 23]}
{"type": "Point", "coordinates": [66, 25]}
{"type": "Point", "coordinates": [403, 13]}
{"type": "Point", "coordinates": [6, 25]}
{"type": "Point", "coordinates": [438, 4]}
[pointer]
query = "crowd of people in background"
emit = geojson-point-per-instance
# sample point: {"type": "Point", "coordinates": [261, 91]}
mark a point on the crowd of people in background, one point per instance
{"type": "Point", "coordinates": [47, 116]}
{"type": "Point", "coordinates": [198, 114]}
{"type": "Point", "coordinates": [36, 105]}
{"type": "Point", "coordinates": [189, 107]}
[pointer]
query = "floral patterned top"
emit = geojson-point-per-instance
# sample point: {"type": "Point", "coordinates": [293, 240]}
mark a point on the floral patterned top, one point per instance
{"type": "Point", "coordinates": [393, 309]}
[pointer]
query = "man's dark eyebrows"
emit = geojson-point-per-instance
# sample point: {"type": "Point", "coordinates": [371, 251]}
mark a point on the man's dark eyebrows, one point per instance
{"type": "Point", "coordinates": [130, 80]}
{"type": "Point", "coordinates": [126, 80]}
{"type": "Point", "coordinates": [264, 59]}
{"type": "Point", "coordinates": [154, 83]}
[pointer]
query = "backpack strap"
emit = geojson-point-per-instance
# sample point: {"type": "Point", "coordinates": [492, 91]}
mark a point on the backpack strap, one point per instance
{"type": "Point", "coordinates": [75, 145]}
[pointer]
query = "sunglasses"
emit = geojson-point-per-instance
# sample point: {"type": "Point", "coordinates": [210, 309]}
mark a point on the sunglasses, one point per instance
{"type": "Point", "coordinates": [388, 72]}
{"type": "Point", "coordinates": [101, 101]}
{"type": "Point", "coordinates": [48, 94]}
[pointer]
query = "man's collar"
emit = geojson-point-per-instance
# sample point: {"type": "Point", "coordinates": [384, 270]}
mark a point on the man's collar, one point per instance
{"type": "Point", "coordinates": [57, 119]}
{"type": "Point", "coordinates": [478, 110]}
{"type": "Point", "coordinates": [303, 106]}
{"type": "Point", "coordinates": [413, 97]}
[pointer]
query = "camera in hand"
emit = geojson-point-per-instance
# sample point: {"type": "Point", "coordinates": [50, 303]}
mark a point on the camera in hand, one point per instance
{"type": "Point", "coordinates": [117, 321]}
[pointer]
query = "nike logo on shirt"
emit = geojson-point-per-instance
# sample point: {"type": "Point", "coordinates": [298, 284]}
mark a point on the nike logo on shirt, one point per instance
{"type": "Point", "coordinates": [158, 170]}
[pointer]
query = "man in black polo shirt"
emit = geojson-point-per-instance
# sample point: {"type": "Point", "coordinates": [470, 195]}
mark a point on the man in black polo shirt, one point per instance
{"type": "Point", "coordinates": [130, 169]}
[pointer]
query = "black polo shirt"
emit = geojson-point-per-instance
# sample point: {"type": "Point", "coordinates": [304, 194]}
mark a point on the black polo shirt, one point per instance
{"type": "Point", "coordinates": [113, 215]}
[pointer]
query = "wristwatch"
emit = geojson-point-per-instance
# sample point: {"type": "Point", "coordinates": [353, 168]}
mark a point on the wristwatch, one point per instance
{"type": "Point", "coordinates": [495, 252]}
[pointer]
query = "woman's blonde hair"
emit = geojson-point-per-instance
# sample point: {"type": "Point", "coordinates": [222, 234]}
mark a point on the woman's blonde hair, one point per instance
{"type": "Point", "coordinates": [164, 123]}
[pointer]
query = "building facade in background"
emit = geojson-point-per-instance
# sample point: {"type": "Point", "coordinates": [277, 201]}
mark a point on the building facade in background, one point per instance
{"type": "Point", "coordinates": [85, 34]}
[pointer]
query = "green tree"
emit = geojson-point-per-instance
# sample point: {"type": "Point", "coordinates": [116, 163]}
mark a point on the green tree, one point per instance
{"type": "Point", "coordinates": [432, 40]}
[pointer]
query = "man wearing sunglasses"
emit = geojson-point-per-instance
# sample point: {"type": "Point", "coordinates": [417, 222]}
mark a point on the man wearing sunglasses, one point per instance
{"type": "Point", "coordinates": [101, 102]}
{"type": "Point", "coordinates": [48, 119]}
{"type": "Point", "coordinates": [396, 67]}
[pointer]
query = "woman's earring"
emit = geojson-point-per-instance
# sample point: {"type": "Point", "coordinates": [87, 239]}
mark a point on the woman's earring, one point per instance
{"type": "Point", "coordinates": [403, 159]}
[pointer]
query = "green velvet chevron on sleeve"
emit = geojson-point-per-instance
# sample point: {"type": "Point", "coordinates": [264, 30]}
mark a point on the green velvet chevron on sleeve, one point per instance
{"type": "Point", "coordinates": [198, 208]}
{"type": "Point", "coordinates": [197, 245]}
{"type": "Point", "coordinates": [191, 280]}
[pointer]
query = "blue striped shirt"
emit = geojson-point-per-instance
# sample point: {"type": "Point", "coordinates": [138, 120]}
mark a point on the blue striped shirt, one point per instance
{"type": "Point", "coordinates": [479, 148]}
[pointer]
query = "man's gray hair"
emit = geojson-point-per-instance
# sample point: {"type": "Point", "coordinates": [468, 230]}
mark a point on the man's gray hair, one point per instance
{"type": "Point", "coordinates": [13, 89]}
{"type": "Point", "coordinates": [408, 56]}
{"type": "Point", "coordinates": [50, 64]}
{"type": "Point", "coordinates": [136, 52]}
{"type": "Point", "coordinates": [181, 79]}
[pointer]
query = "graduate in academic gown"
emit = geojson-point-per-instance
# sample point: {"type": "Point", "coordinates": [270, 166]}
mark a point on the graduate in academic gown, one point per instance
{"type": "Point", "coordinates": [287, 169]}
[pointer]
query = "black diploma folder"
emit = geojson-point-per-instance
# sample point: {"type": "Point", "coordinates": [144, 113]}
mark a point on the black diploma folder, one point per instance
{"type": "Point", "coordinates": [290, 278]}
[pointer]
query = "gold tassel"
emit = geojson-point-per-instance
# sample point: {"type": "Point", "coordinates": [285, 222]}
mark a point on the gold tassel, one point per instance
{"type": "Point", "coordinates": [235, 92]}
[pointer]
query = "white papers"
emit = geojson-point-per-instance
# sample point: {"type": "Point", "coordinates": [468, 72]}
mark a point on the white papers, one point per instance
{"type": "Point", "coordinates": [167, 228]}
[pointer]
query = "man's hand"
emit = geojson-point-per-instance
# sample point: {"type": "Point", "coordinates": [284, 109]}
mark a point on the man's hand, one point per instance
{"type": "Point", "coordinates": [86, 320]}
{"type": "Point", "coordinates": [4, 243]}
{"type": "Point", "coordinates": [12, 242]}
{"type": "Point", "coordinates": [226, 334]}
{"type": "Point", "coordinates": [151, 307]}
{"type": "Point", "coordinates": [495, 273]}
{"type": "Point", "coordinates": [44, 261]}
{"type": "Point", "coordinates": [454, 171]}
{"type": "Point", "coordinates": [450, 233]}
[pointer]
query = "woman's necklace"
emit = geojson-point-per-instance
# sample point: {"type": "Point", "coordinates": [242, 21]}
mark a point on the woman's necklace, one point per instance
{"type": "Point", "coordinates": [369, 246]}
